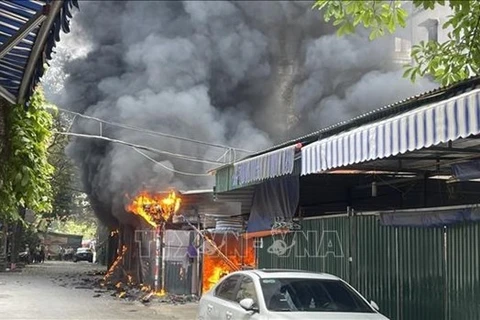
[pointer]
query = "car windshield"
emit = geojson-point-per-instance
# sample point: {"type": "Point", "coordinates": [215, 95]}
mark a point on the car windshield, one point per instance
{"type": "Point", "coordinates": [311, 295]}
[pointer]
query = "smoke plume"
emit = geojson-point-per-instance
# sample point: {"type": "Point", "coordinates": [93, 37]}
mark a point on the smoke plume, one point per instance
{"type": "Point", "coordinates": [239, 74]}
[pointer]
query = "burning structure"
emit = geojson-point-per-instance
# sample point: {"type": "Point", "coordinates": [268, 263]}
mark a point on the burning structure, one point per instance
{"type": "Point", "coordinates": [156, 211]}
{"type": "Point", "coordinates": [186, 243]}
{"type": "Point", "coordinates": [225, 251]}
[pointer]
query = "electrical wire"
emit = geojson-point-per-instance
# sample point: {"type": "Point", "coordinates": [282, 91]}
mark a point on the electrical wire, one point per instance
{"type": "Point", "coordinates": [170, 169]}
{"type": "Point", "coordinates": [133, 128]}
{"type": "Point", "coordinates": [223, 155]}
{"type": "Point", "coordinates": [175, 155]}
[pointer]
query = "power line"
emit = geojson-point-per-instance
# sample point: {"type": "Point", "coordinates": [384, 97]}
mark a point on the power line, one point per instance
{"type": "Point", "coordinates": [133, 128]}
{"type": "Point", "coordinates": [170, 169]}
{"type": "Point", "coordinates": [162, 152]}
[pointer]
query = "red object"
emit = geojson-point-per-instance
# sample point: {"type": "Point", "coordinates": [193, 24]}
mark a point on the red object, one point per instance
{"type": "Point", "coordinates": [298, 146]}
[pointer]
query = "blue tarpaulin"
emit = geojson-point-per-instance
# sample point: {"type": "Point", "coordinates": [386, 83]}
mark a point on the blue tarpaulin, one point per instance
{"type": "Point", "coordinates": [467, 170]}
{"type": "Point", "coordinates": [434, 217]}
{"type": "Point", "coordinates": [276, 198]}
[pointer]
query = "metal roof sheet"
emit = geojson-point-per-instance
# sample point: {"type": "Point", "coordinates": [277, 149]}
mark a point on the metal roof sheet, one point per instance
{"type": "Point", "coordinates": [407, 104]}
{"type": "Point", "coordinates": [29, 30]}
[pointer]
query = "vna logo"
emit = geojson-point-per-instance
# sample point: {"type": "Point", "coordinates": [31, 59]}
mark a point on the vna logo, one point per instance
{"type": "Point", "coordinates": [312, 244]}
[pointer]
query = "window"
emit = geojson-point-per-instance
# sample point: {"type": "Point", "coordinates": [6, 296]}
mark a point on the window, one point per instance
{"type": "Point", "coordinates": [247, 290]}
{"type": "Point", "coordinates": [311, 295]}
{"type": "Point", "coordinates": [227, 289]}
{"type": "Point", "coordinates": [402, 45]}
{"type": "Point", "coordinates": [432, 28]}
{"type": "Point", "coordinates": [398, 44]}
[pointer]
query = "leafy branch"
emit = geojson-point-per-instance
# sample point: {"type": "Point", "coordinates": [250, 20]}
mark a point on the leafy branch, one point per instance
{"type": "Point", "coordinates": [454, 60]}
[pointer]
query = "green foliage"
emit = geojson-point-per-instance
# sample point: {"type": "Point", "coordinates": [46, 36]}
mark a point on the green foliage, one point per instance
{"type": "Point", "coordinates": [456, 59]}
{"type": "Point", "coordinates": [25, 172]}
{"type": "Point", "coordinates": [378, 16]}
{"type": "Point", "coordinates": [72, 225]}
{"type": "Point", "coordinates": [67, 197]}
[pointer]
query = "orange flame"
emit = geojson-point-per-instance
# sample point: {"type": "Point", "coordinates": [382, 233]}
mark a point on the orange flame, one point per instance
{"type": "Point", "coordinates": [216, 267]}
{"type": "Point", "coordinates": [216, 274]}
{"type": "Point", "coordinates": [115, 263]}
{"type": "Point", "coordinates": [161, 293]}
{"type": "Point", "coordinates": [154, 207]}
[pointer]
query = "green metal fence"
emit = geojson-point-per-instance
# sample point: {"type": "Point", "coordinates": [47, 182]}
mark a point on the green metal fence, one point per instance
{"type": "Point", "coordinates": [412, 273]}
{"type": "Point", "coordinates": [463, 272]}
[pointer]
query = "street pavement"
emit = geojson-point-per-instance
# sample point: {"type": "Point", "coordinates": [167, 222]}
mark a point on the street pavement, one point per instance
{"type": "Point", "coordinates": [48, 291]}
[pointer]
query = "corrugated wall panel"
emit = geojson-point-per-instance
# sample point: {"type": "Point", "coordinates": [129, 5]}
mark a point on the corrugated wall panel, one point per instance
{"type": "Point", "coordinates": [334, 245]}
{"type": "Point", "coordinates": [322, 246]}
{"type": "Point", "coordinates": [375, 266]}
{"type": "Point", "coordinates": [421, 273]}
{"type": "Point", "coordinates": [412, 273]}
{"type": "Point", "coordinates": [463, 278]}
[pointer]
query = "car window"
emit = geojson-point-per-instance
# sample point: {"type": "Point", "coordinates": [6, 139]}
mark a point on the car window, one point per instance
{"type": "Point", "coordinates": [315, 295]}
{"type": "Point", "coordinates": [247, 290]}
{"type": "Point", "coordinates": [228, 288]}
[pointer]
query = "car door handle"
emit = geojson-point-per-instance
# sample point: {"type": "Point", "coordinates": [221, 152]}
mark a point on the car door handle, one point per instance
{"type": "Point", "coordinates": [229, 315]}
{"type": "Point", "coordinates": [209, 308]}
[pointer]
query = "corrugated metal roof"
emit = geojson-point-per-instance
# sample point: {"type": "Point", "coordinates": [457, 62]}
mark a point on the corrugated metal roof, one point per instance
{"type": "Point", "coordinates": [29, 30]}
{"type": "Point", "coordinates": [410, 103]}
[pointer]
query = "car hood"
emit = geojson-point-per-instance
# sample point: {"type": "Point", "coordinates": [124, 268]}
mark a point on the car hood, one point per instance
{"type": "Point", "coordinates": [325, 316]}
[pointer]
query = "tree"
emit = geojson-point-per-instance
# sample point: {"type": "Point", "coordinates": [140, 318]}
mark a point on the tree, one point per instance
{"type": "Point", "coordinates": [66, 193]}
{"type": "Point", "coordinates": [453, 60]}
{"type": "Point", "coordinates": [25, 172]}
{"type": "Point", "coordinates": [71, 212]}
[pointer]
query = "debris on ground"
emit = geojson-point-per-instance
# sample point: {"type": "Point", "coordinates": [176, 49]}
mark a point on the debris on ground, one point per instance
{"type": "Point", "coordinates": [124, 289]}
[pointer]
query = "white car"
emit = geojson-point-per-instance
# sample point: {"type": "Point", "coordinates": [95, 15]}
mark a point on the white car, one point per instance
{"type": "Point", "coordinates": [284, 295]}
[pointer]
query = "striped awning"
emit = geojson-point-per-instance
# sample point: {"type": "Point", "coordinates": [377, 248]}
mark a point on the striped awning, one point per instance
{"type": "Point", "coordinates": [270, 165]}
{"type": "Point", "coordinates": [448, 120]}
{"type": "Point", "coordinates": [29, 30]}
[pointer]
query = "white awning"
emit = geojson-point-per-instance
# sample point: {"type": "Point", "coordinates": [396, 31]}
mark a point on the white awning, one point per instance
{"type": "Point", "coordinates": [270, 165]}
{"type": "Point", "coordinates": [448, 120]}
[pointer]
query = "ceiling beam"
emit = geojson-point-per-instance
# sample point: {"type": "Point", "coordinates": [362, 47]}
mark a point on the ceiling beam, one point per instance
{"type": "Point", "coordinates": [389, 182]}
{"type": "Point", "coordinates": [452, 150]}
{"type": "Point", "coordinates": [432, 157]}
{"type": "Point", "coordinates": [21, 33]}
{"type": "Point", "coordinates": [38, 47]}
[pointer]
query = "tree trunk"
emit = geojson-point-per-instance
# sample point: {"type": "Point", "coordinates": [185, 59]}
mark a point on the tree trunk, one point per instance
{"type": "Point", "coordinates": [17, 236]}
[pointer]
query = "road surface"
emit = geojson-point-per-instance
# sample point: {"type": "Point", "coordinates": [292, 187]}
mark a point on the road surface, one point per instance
{"type": "Point", "coordinates": [51, 291]}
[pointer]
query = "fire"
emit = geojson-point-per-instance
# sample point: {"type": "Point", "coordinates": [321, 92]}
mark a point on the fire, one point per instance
{"type": "Point", "coordinates": [216, 266]}
{"type": "Point", "coordinates": [115, 263]}
{"type": "Point", "coordinates": [161, 293]}
{"type": "Point", "coordinates": [217, 274]}
{"type": "Point", "coordinates": [154, 207]}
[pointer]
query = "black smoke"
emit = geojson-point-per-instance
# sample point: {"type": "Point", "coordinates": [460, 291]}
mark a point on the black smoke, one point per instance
{"type": "Point", "coordinates": [242, 74]}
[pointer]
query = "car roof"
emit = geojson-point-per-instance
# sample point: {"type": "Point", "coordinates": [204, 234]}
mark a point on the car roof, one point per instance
{"type": "Point", "coordinates": [289, 273]}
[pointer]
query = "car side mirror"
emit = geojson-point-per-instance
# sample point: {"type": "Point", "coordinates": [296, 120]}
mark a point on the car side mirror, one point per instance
{"type": "Point", "coordinates": [374, 305]}
{"type": "Point", "coordinates": [248, 304]}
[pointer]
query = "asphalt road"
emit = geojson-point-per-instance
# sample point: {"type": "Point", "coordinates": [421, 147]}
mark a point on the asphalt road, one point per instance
{"type": "Point", "coordinates": [48, 291]}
